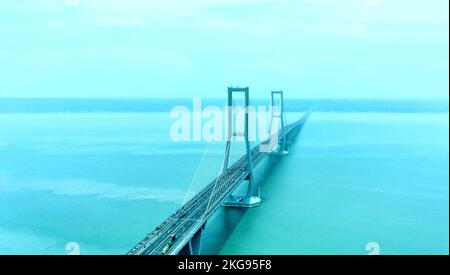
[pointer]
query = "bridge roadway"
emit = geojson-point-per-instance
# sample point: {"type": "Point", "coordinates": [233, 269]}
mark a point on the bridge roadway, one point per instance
{"type": "Point", "coordinates": [172, 235]}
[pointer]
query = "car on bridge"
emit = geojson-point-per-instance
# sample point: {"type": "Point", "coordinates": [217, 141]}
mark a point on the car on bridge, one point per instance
{"type": "Point", "coordinates": [169, 244]}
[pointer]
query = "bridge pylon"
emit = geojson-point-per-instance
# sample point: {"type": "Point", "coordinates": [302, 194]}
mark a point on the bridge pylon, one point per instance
{"type": "Point", "coordinates": [252, 197]}
{"type": "Point", "coordinates": [277, 112]}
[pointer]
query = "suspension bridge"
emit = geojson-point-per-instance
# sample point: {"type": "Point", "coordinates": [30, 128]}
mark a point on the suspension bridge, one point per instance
{"type": "Point", "coordinates": [181, 232]}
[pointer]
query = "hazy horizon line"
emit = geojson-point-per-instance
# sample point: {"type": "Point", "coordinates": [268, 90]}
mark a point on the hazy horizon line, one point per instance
{"type": "Point", "coordinates": [223, 98]}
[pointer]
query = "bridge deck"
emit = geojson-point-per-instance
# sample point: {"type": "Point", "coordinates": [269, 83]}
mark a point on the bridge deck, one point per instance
{"type": "Point", "coordinates": [173, 234]}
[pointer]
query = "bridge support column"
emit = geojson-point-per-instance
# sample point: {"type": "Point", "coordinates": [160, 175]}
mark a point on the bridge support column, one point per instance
{"type": "Point", "coordinates": [277, 112]}
{"type": "Point", "coordinates": [193, 246]}
{"type": "Point", "coordinates": [252, 198]}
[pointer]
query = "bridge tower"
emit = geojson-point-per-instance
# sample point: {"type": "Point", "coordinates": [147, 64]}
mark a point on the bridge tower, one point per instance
{"type": "Point", "coordinates": [252, 197]}
{"type": "Point", "coordinates": [277, 112]}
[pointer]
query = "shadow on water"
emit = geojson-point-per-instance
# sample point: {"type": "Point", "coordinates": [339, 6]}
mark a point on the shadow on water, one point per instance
{"type": "Point", "coordinates": [226, 219]}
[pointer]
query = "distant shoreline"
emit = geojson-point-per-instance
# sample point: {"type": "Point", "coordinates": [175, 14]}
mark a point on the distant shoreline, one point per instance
{"type": "Point", "coordinates": [77, 105]}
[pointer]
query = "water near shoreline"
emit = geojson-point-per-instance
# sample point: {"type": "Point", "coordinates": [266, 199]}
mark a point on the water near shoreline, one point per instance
{"type": "Point", "coordinates": [105, 179]}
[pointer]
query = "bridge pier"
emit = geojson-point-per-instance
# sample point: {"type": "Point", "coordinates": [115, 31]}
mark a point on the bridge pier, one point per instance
{"type": "Point", "coordinates": [252, 198]}
{"type": "Point", "coordinates": [194, 245]}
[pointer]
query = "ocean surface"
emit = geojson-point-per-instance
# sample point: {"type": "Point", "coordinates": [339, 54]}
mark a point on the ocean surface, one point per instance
{"type": "Point", "coordinates": [353, 180]}
{"type": "Point", "coordinates": [105, 179]}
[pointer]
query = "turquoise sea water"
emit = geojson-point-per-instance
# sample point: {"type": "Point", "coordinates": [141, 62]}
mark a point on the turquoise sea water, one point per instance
{"type": "Point", "coordinates": [354, 179]}
{"type": "Point", "coordinates": [105, 179]}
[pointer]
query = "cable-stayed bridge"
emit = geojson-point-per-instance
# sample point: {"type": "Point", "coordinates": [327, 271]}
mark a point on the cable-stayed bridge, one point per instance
{"type": "Point", "coordinates": [181, 232]}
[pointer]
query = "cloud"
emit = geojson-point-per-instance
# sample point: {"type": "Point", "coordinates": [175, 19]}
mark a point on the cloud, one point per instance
{"type": "Point", "coordinates": [171, 59]}
{"type": "Point", "coordinates": [373, 3]}
{"type": "Point", "coordinates": [73, 3]}
{"type": "Point", "coordinates": [267, 66]}
{"type": "Point", "coordinates": [174, 7]}
{"type": "Point", "coordinates": [159, 59]}
{"type": "Point", "coordinates": [122, 21]}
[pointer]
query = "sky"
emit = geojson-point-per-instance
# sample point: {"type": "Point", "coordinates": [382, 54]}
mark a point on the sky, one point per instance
{"type": "Point", "coordinates": [180, 48]}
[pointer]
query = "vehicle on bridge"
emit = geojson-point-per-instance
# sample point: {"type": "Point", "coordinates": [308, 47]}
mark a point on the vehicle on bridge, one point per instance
{"type": "Point", "coordinates": [169, 244]}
